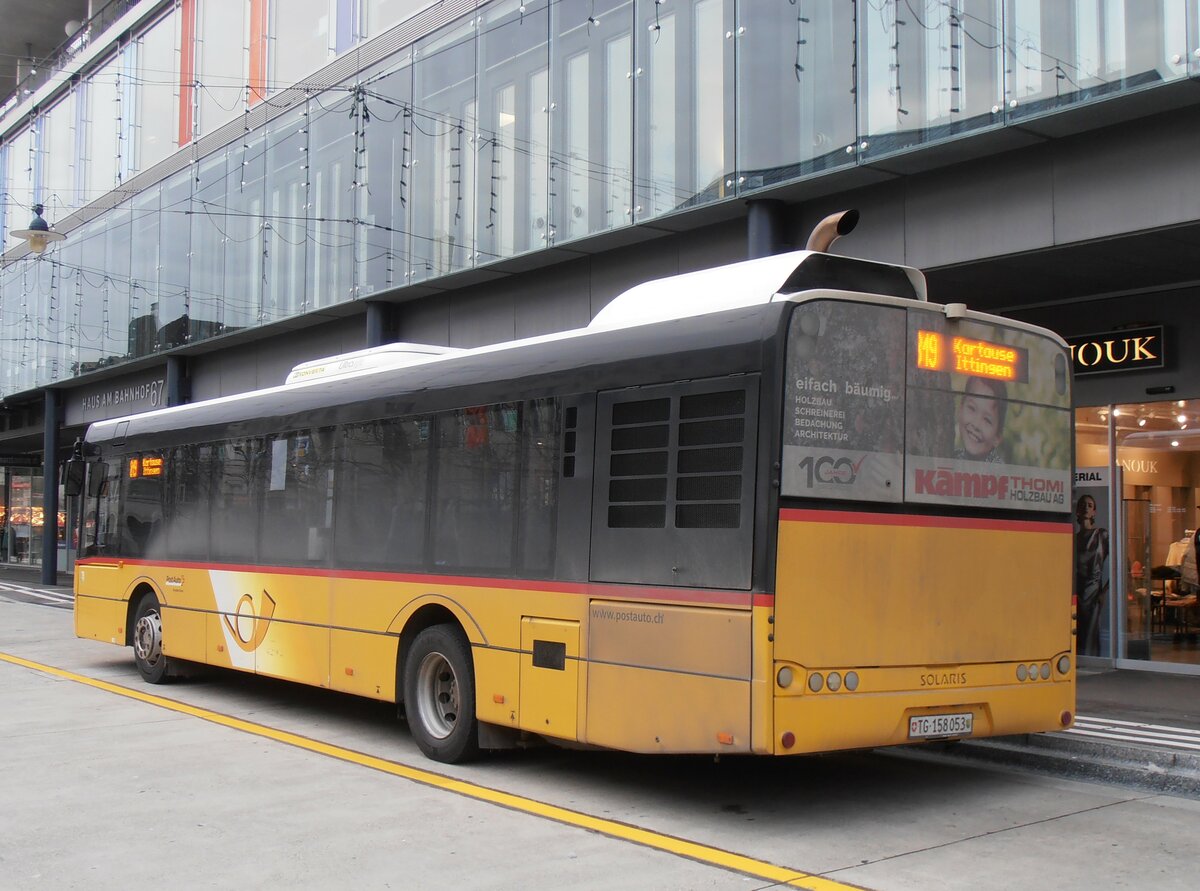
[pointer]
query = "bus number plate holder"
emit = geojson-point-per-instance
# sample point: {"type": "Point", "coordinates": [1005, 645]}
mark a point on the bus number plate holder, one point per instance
{"type": "Point", "coordinates": [940, 726]}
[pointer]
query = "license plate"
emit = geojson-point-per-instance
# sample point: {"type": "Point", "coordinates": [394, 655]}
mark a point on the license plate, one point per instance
{"type": "Point", "coordinates": [932, 726]}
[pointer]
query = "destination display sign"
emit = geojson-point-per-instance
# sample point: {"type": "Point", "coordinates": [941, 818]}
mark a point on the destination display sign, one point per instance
{"type": "Point", "coordinates": [965, 355]}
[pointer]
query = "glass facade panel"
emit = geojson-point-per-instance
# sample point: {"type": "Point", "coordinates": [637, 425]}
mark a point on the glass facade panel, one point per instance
{"type": "Point", "coordinates": [1060, 52]}
{"type": "Point", "coordinates": [503, 132]}
{"type": "Point", "coordinates": [929, 71]}
{"type": "Point", "coordinates": [300, 40]}
{"type": "Point", "coordinates": [381, 252]}
{"type": "Point", "coordinates": [591, 121]}
{"type": "Point", "coordinates": [511, 151]}
{"type": "Point", "coordinates": [245, 232]}
{"type": "Point", "coordinates": [21, 165]}
{"type": "Point", "coordinates": [445, 144]}
{"type": "Point", "coordinates": [58, 158]}
{"type": "Point", "coordinates": [115, 288]}
{"type": "Point", "coordinates": [221, 61]}
{"type": "Point", "coordinates": [335, 172]}
{"type": "Point", "coordinates": [174, 233]}
{"type": "Point", "coordinates": [87, 310]}
{"type": "Point", "coordinates": [206, 289]}
{"type": "Point", "coordinates": [380, 15]}
{"type": "Point", "coordinates": [102, 140]}
{"type": "Point", "coordinates": [684, 79]}
{"type": "Point", "coordinates": [795, 97]}
{"type": "Point", "coordinates": [143, 274]}
{"type": "Point", "coordinates": [156, 123]}
{"type": "Point", "coordinates": [285, 211]}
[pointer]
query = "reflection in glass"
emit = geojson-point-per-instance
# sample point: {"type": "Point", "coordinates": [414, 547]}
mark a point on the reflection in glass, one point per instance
{"type": "Point", "coordinates": [685, 93]}
{"type": "Point", "coordinates": [87, 306]}
{"type": "Point", "coordinates": [244, 232]}
{"type": "Point", "coordinates": [286, 209]}
{"type": "Point", "coordinates": [511, 151]}
{"type": "Point", "coordinates": [795, 90]}
{"type": "Point", "coordinates": [591, 158]}
{"type": "Point", "coordinates": [115, 288]}
{"type": "Point", "coordinates": [442, 176]}
{"type": "Point", "coordinates": [143, 274]}
{"type": "Point", "coordinates": [381, 256]}
{"type": "Point", "coordinates": [336, 135]}
{"type": "Point", "coordinates": [174, 233]}
{"type": "Point", "coordinates": [929, 70]}
{"type": "Point", "coordinates": [1060, 52]}
{"type": "Point", "coordinates": [208, 221]}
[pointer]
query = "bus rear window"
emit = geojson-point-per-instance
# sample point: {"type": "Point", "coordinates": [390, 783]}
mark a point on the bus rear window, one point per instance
{"type": "Point", "coordinates": [890, 404]}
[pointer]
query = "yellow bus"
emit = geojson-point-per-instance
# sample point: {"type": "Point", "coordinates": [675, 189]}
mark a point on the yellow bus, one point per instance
{"type": "Point", "coordinates": [777, 507]}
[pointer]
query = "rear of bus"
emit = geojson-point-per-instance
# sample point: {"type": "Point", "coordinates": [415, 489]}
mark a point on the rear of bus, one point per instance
{"type": "Point", "coordinates": [923, 580]}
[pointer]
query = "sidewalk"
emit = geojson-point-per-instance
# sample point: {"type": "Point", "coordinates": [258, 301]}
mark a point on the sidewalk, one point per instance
{"type": "Point", "coordinates": [19, 574]}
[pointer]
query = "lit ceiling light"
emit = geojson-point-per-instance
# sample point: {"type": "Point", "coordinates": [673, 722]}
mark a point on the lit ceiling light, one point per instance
{"type": "Point", "coordinates": [1181, 418]}
{"type": "Point", "coordinates": [1175, 443]}
{"type": "Point", "coordinates": [1141, 422]}
{"type": "Point", "coordinates": [39, 234]}
{"type": "Point", "coordinates": [1181, 403]}
{"type": "Point", "coordinates": [1116, 412]}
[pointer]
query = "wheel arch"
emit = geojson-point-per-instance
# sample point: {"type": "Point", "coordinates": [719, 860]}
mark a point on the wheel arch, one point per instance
{"type": "Point", "coordinates": [139, 589]}
{"type": "Point", "coordinates": [428, 614]}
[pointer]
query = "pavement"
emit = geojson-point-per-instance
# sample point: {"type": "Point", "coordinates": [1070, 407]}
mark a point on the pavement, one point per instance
{"type": "Point", "coordinates": [1133, 728]}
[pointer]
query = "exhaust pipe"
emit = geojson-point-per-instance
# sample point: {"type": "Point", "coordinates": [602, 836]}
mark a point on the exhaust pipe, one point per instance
{"type": "Point", "coordinates": [831, 229]}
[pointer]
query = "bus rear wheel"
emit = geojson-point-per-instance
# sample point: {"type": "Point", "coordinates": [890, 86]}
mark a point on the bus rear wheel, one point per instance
{"type": "Point", "coordinates": [148, 655]}
{"type": "Point", "coordinates": [439, 695]}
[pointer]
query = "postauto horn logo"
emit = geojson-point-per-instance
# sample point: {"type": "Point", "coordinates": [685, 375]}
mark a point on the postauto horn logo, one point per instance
{"type": "Point", "coordinates": [247, 629]}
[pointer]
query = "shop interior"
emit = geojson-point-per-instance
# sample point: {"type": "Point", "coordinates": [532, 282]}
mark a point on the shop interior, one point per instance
{"type": "Point", "coordinates": [1151, 577]}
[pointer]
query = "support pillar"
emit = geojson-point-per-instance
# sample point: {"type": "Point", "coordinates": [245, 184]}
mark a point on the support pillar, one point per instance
{"type": "Point", "coordinates": [765, 234]}
{"type": "Point", "coordinates": [178, 385]}
{"type": "Point", "coordinates": [50, 422]}
{"type": "Point", "coordinates": [379, 319]}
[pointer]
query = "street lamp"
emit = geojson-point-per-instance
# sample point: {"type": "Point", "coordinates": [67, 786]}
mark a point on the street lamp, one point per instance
{"type": "Point", "coordinates": [39, 234]}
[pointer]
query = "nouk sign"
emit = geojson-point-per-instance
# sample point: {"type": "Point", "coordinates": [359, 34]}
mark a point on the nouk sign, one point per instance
{"type": "Point", "coordinates": [1131, 349]}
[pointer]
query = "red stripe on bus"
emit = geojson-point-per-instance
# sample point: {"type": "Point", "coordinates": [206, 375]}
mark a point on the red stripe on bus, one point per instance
{"type": "Point", "coordinates": [589, 589]}
{"type": "Point", "coordinates": [856, 518]}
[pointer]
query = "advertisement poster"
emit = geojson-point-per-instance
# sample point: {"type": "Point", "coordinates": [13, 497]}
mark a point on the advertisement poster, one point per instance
{"type": "Point", "coordinates": [988, 421]}
{"type": "Point", "coordinates": [843, 432]}
{"type": "Point", "coordinates": [1092, 549]}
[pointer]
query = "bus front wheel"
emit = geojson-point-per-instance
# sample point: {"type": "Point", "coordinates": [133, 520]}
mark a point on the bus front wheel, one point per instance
{"type": "Point", "coordinates": [148, 655]}
{"type": "Point", "coordinates": [439, 695]}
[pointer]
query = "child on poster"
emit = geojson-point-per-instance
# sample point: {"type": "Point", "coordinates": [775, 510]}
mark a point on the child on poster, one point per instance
{"type": "Point", "coordinates": [980, 418]}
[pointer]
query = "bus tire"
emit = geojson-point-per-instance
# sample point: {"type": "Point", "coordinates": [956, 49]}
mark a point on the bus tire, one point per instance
{"type": "Point", "coordinates": [152, 663]}
{"type": "Point", "coordinates": [439, 695]}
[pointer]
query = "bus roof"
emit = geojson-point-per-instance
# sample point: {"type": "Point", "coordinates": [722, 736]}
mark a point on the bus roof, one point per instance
{"type": "Point", "coordinates": [754, 282]}
{"type": "Point", "coordinates": [624, 331]}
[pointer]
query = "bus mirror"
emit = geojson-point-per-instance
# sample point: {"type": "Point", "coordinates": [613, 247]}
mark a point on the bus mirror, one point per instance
{"type": "Point", "coordinates": [96, 477]}
{"type": "Point", "coordinates": [73, 478]}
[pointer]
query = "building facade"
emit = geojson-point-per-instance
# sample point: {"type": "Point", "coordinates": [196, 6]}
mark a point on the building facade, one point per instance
{"type": "Point", "coordinates": [248, 184]}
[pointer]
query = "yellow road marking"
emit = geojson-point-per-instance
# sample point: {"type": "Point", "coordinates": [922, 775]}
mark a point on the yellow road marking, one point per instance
{"type": "Point", "coordinates": [612, 828]}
